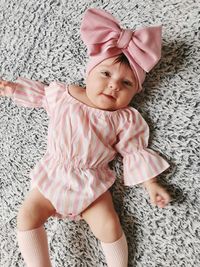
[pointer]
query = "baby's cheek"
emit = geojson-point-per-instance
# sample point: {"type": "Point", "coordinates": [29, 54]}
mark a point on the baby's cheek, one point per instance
{"type": "Point", "coordinates": [124, 99]}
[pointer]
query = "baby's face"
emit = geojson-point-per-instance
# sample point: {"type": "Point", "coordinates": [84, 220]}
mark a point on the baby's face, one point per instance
{"type": "Point", "coordinates": [111, 86]}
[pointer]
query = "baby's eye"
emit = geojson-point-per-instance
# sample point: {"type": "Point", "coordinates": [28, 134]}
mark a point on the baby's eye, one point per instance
{"type": "Point", "coordinates": [128, 83]}
{"type": "Point", "coordinates": [105, 73]}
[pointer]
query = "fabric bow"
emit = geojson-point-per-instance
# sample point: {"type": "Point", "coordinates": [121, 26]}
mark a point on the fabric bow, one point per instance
{"type": "Point", "coordinates": [104, 38]}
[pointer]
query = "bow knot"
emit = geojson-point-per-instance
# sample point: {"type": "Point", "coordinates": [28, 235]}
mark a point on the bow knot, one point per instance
{"type": "Point", "coordinates": [104, 38]}
{"type": "Point", "coordinates": [124, 38]}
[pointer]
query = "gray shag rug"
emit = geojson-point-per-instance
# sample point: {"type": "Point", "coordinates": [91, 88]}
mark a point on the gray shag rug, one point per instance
{"type": "Point", "coordinates": [40, 40]}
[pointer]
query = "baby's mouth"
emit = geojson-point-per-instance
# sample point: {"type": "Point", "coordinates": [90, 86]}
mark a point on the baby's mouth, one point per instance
{"type": "Point", "coordinates": [110, 97]}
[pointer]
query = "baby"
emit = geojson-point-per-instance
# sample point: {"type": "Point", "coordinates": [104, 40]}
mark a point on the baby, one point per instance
{"type": "Point", "coordinates": [87, 128]}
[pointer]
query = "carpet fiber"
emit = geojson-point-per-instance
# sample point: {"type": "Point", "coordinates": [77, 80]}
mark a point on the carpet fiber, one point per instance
{"type": "Point", "coordinates": [40, 40]}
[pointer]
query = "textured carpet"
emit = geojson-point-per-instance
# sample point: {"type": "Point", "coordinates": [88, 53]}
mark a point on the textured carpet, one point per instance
{"type": "Point", "coordinates": [40, 40]}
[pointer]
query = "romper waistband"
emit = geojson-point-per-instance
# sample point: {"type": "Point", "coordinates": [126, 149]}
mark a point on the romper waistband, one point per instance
{"type": "Point", "coordinates": [73, 162]}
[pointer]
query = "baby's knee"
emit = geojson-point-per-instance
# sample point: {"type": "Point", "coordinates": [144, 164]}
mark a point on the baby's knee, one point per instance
{"type": "Point", "coordinates": [109, 230]}
{"type": "Point", "coordinates": [112, 225]}
{"type": "Point", "coordinates": [33, 213]}
{"type": "Point", "coordinates": [28, 218]}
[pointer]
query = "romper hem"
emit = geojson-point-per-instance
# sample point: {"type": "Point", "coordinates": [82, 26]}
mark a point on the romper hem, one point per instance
{"type": "Point", "coordinates": [71, 217]}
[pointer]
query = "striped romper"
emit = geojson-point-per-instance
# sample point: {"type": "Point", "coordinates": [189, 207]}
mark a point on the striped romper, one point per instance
{"type": "Point", "coordinates": [81, 141]}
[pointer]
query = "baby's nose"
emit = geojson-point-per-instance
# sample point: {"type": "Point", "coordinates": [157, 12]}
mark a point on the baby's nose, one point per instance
{"type": "Point", "coordinates": [114, 85]}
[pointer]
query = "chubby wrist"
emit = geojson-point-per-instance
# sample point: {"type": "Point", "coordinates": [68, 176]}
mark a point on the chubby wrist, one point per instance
{"type": "Point", "coordinates": [149, 182]}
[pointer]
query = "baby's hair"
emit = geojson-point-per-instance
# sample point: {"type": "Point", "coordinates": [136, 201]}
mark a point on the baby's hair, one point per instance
{"type": "Point", "coordinates": [122, 59]}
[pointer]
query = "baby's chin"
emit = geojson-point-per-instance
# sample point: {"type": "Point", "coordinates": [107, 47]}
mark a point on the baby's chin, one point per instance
{"type": "Point", "coordinates": [105, 102]}
{"type": "Point", "coordinates": [108, 106]}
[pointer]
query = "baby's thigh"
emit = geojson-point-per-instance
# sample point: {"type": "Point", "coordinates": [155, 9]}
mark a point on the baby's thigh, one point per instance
{"type": "Point", "coordinates": [34, 211]}
{"type": "Point", "coordinates": [103, 219]}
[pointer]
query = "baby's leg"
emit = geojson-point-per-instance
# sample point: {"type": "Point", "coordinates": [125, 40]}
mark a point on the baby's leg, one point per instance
{"type": "Point", "coordinates": [31, 235]}
{"type": "Point", "coordinates": [105, 224]}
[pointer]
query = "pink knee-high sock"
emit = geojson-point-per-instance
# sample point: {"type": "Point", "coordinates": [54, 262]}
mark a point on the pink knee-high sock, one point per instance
{"type": "Point", "coordinates": [116, 253]}
{"type": "Point", "coordinates": [33, 245]}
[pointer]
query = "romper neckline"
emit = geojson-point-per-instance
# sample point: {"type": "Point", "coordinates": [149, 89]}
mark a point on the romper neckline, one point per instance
{"type": "Point", "coordinates": [95, 110]}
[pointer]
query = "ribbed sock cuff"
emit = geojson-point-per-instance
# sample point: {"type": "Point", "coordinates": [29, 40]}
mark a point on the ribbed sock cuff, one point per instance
{"type": "Point", "coordinates": [33, 245]}
{"type": "Point", "coordinates": [116, 253]}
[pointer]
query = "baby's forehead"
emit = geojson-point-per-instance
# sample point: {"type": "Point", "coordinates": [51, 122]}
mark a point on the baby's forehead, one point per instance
{"type": "Point", "coordinates": [108, 62]}
{"type": "Point", "coordinates": [112, 64]}
{"type": "Point", "coordinates": [117, 66]}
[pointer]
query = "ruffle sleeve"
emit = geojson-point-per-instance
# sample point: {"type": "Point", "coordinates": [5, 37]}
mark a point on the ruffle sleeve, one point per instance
{"type": "Point", "coordinates": [35, 94]}
{"type": "Point", "coordinates": [139, 162]}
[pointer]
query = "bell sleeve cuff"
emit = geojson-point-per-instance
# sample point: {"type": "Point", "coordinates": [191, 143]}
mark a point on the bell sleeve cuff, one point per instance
{"type": "Point", "coordinates": [141, 166]}
{"type": "Point", "coordinates": [140, 163]}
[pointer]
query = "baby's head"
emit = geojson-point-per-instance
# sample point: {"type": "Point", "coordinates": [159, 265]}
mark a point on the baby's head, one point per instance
{"type": "Point", "coordinates": [119, 58]}
{"type": "Point", "coordinates": [111, 84]}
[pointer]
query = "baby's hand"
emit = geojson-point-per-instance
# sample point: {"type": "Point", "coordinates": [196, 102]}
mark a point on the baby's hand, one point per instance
{"type": "Point", "coordinates": [8, 86]}
{"type": "Point", "coordinates": [158, 195]}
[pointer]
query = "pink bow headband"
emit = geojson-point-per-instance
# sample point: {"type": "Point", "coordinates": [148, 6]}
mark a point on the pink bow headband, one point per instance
{"type": "Point", "coordinates": [104, 38]}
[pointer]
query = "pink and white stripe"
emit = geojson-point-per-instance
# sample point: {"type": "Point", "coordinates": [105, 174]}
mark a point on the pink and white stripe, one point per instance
{"type": "Point", "coordinates": [81, 142]}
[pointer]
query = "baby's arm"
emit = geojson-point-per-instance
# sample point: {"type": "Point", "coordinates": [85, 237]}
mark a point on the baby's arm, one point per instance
{"type": "Point", "coordinates": [158, 194]}
{"type": "Point", "coordinates": [26, 93]}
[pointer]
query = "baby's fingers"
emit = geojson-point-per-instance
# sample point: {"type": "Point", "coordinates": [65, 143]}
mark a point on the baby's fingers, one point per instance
{"type": "Point", "coordinates": [162, 201]}
{"type": "Point", "coordinates": [3, 83]}
{"type": "Point", "coordinates": [166, 196]}
{"type": "Point", "coordinates": [159, 202]}
{"type": "Point", "coordinates": [6, 84]}
{"type": "Point", "coordinates": [7, 88]}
